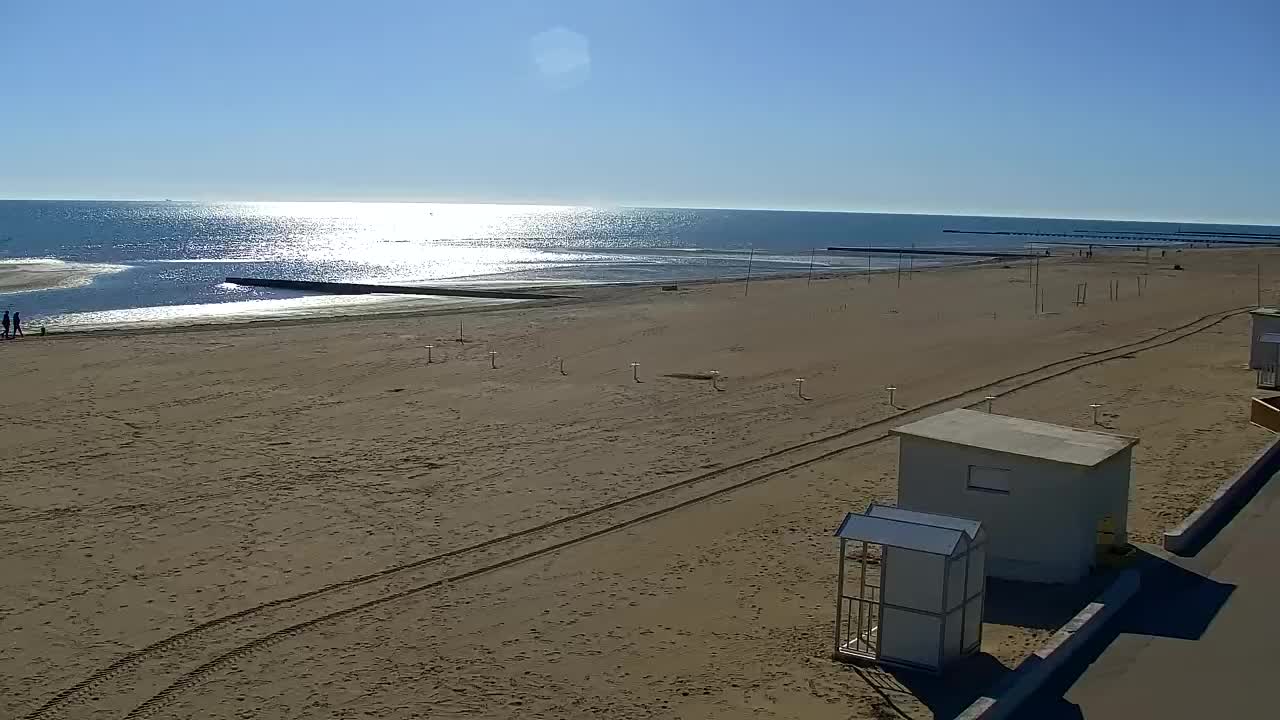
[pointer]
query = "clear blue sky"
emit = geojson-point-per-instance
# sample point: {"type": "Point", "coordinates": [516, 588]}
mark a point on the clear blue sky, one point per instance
{"type": "Point", "coordinates": [1153, 109]}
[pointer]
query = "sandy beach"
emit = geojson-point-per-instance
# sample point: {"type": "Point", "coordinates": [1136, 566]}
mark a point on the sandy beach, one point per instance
{"type": "Point", "coordinates": [27, 275]}
{"type": "Point", "coordinates": [309, 520]}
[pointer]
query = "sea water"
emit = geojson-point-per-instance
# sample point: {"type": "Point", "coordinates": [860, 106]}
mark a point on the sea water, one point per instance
{"type": "Point", "coordinates": [172, 258]}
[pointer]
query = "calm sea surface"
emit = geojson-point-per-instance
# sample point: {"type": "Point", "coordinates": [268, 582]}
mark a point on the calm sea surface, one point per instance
{"type": "Point", "coordinates": [170, 258]}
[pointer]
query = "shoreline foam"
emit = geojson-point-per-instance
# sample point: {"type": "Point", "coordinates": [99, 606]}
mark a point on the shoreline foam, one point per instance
{"type": "Point", "coordinates": [345, 308]}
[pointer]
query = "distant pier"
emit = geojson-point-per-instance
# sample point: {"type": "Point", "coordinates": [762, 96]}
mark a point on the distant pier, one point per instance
{"type": "Point", "coordinates": [341, 288]}
{"type": "Point", "coordinates": [1260, 239]}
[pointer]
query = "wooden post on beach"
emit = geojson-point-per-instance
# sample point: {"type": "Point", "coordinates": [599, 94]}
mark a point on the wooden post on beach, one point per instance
{"type": "Point", "coordinates": [715, 379]}
{"type": "Point", "coordinates": [911, 263]}
{"type": "Point", "coordinates": [868, 268]}
{"type": "Point", "coordinates": [1033, 272]}
{"type": "Point", "coordinates": [891, 390]}
{"type": "Point", "coordinates": [1082, 293]}
{"type": "Point", "coordinates": [990, 399]}
{"type": "Point", "coordinates": [562, 372]}
{"type": "Point", "coordinates": [899, 268]}
{"type": "Point", "coordinates": [635, 371]}
{"type": "Point", "coordinates": [1095, 407]}
{"type": "Point", "coordinates": [429, 353]}
{"type": "Point", "coordinates": [800, 388]}
{"type": "Point", "coordinates": [750, 259]}
{"type": "Point", "coordinates": [1259, 284]}
{"type": "Point", "coordinates": [813, 252]}
{"type": "Point", "coordinates": [493, 359]}
{"type": "Point", "coordinates": [460, 330]}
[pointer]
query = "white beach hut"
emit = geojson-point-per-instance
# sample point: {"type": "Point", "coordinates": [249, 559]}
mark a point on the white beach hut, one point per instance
{"type": "Point", "coordinates": [1048, 495]}
{"type": "Point", "coordinates": [1263, 352]}
{"type": "Point", "coordinates": [911, 589]}
{"type": "Point", "coordinates": [1264, 346]}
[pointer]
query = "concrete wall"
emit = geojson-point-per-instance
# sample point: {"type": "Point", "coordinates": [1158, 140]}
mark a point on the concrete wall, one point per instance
{"type": "Point", "coordinates": [1261, 355]}
{"type": "Point", "coordinates": [1199, 526]}
{"type": "Point", "coordinates": [1113, 476]}
{"type": "Point", "coordinates": [1005, 700]}
{"type": "Point", "coordinates": [1043, 530]}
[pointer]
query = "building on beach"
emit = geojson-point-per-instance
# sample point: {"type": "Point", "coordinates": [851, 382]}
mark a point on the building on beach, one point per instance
{"type": "Point", "coordinates": [1050, 497]}
{"type": "Point", "coordinates": [912, 588]}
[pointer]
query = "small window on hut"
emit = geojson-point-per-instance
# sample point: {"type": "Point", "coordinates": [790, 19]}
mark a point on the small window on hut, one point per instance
{"type": "Point", "coordinates": [989, 479]}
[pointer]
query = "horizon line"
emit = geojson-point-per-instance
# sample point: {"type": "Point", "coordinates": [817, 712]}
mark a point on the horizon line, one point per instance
{"type": "Point", "coordinates": [644, 206]}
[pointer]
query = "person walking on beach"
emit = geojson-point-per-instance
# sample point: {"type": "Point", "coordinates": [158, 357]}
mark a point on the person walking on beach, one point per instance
{"type": "Point", "coordinates": [5, 335]}
{"type": "Point", "coordinates": [17, 325]}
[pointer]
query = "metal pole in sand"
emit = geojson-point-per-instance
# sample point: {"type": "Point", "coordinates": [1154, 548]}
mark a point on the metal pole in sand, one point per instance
{"type": "Point", "coordinates": [493, 359]}
{"type": "Point", "coordinates": [429, 353]}
{"type": "Point", "coordinates": [1259, 284]}
{"type": "Point", "coordinates": [1095, 407]}
{"type": "Point", "coordinates": [562, 372]}
{"type": "Point", "coordinates": [635, 371]}
{"type": "Point", "coordinates": [459, 330]}
{"type": "Point", "coordinates": [990, 399]}
{"type": "Point", "coordinates": [812, 253]}
{"type": "Point", "coordinates": [899, 269]}
{"type": "Point", "coordinates": [750, 259]}
{"type": "Point", "coordinates": [891, 390]}
{"type": "Point", "coordinates": [800, 388]}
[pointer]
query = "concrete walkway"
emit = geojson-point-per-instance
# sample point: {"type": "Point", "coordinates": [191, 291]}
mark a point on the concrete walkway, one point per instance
{"type": "Point", "coordinates": [1201, 641]}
